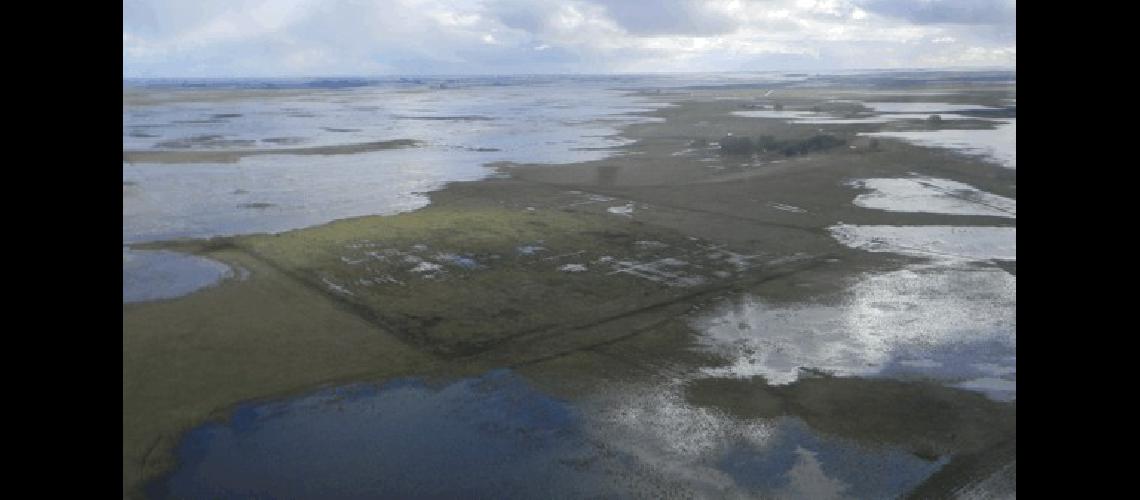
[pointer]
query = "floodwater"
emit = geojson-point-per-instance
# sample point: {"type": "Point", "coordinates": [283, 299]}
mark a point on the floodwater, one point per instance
{"type": "Point", "coordinates": [159, 274]}
{"type": "Point", "coordinates": [496, 436]}
{"type": "Point", "coordinates": [460, 130]}
{"type": "Point", "coordinates": [884, 112]}
{"type": "Point", "coordinates": [926, 108]}
{"type": "Point", "coordinates": [824, 118]}
{"type": "Point", "coordinates": [998, 145]}
{"type": "Point", "coordinates": [952, 323]}
{"type": "Point", "coordinates": [954, 243]}
{"type": "Point", "coordinates": [932, 195]}
{"type": "Point", "coordinates": [945, 317]}
{"type": "Point", "coordinates": [490, 437]}
{"type": "Point", "coordinates": [951, 319]}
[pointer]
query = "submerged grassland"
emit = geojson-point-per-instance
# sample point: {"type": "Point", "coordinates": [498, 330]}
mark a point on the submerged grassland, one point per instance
{"type": "Point", "coordinates": [589, 280]}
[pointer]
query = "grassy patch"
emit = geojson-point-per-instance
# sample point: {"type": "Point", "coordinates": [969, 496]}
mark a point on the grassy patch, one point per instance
{"type": "Point", "coordinates": [457, 282]}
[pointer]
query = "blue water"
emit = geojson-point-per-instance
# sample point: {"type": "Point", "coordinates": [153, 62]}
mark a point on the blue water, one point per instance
{"type": "Point", "coordinates": [155, 275]}
{"type": "Point", "coordinates": [487, 437]}
{"type": "Point", "coordinates": [496, 436]}
{"type": "Point", "coordinates": [461, 129]}
{"type": "Point", "coordinates": [856, 471]}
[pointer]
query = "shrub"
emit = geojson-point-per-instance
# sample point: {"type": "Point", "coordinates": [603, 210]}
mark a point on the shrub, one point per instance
{"type": "Point", "coordinates": [821, 142]}
{"type": "Point", "coordinates": [736, 145]}
{"type": "Point", "coordinates": [769, 144]}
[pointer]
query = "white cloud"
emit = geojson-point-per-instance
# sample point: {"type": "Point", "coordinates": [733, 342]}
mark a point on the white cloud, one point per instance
{"type": "Point", "coordinates": [359, 37]}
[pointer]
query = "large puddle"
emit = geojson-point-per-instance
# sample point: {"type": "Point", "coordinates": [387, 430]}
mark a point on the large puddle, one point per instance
{"type": "Point", "coordinates": [155, 275]}
{"type": "Point", "coordinates": [496, 436]}
{"type": "Point", "coordinates": [490, 437]}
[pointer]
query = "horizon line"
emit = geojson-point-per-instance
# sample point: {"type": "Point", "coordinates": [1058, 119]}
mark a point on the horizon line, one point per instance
{"type": "Point", "coordinates": [614, 73]}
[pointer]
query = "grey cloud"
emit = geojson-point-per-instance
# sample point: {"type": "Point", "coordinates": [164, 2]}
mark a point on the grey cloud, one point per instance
{"type": "Point", "coordinates": [343, 37]}
{"type": "Point", "coordinates": [945, 11]}
{"type": "Point", "coordinates": [139, 17]}
{"type": "Point", "coordinates": [666, 17]}
{"type": "Point", "coordinates": [527, 15]}
{"type": "Point", "coordinates": [669, 17]}
{"type": "Point", "coordinates": [171, 17]}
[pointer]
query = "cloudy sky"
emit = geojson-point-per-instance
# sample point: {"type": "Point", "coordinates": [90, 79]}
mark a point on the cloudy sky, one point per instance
{"type": "Point", "coordinates": [219, 38]}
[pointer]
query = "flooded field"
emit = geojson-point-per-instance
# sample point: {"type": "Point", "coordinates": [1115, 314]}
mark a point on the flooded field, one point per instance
{"type": "Point", "coordinates": [997, 145]}
{"type": "Point", "coordinates": [926, 194]}
{"type": "Point", "coordinates": [989, 132]}
{"type": "Point", "coordinates": [705, 286]}
{"type": "Point", "coordinates": [243, 162]}
{"type": "Point", "coordinates": [155, 275]}
{"type": "Point", "coordinates": [502, 438]}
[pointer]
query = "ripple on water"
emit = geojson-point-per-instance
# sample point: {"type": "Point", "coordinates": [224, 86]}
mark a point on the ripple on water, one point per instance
{"type": "Point", "coordinates": [714, 454]}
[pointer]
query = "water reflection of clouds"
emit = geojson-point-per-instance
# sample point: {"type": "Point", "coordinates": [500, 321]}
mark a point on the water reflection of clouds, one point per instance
{"type": "Point", "coordinates": [998, 145]}
{"type": "Point", "coordinates": [931, 195]}
{"type": "Point", "coordinates": [950, 319]}
{"type": "Point", "coordinates": [496, 436]}
{"type": "Point", "coordinates": [918, 321]}
{"type": "Point", "coordinates": [717, 454]}
{"type": "Point", "coordinates": [949, 244]}
{"type": "Point", "coordinates": [799, 463]}
{"type": "Point", "coordinates": [462, 129]}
